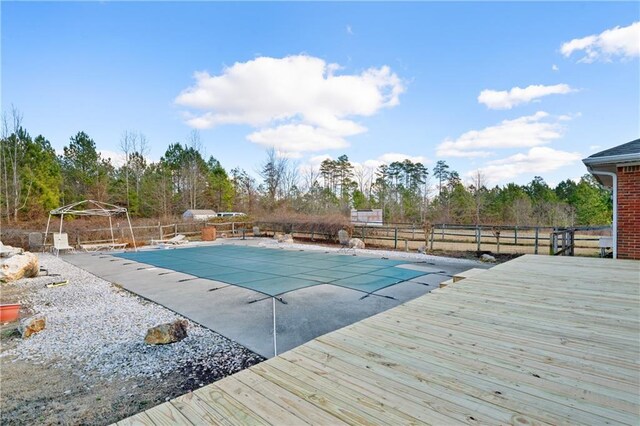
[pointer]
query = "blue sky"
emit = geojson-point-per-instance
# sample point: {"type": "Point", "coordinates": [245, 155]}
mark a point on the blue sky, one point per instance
{"type": "Point", "coordinates": [512, 89]}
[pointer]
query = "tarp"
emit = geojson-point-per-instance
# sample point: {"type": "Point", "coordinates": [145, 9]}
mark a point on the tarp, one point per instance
{"type": "Point", "coordinates": [274, 272]}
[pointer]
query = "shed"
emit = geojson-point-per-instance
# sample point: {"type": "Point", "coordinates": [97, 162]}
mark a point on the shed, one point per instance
{"type": "Point", "coordinates": [619, 169]}
{"type": "Point", "coordinates": [198, 214]}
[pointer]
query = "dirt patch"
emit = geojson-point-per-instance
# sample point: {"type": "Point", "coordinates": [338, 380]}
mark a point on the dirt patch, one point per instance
{"type": "Point", "coordinates": [47, 393]}
{"type": "Point", "coordinates": [65, 375]}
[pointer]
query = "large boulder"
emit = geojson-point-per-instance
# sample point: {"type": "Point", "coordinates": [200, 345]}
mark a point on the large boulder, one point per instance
{"type": "Point", "coordinates": [422, 249]}
{"type": "Point", "coordinates": [167, 333]}
{"type": "Point", "coordinates": [356, 243]}
{"type": "Point", "coordinates": [256, 232]}
{"type": "Point", "coordinates": [31, 326]}
{"type": "Point", "coordinates": [19, 266]}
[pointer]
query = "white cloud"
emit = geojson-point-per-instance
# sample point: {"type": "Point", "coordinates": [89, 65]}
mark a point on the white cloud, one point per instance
{"type": "Point", "coordinates": [117, 158]}
{"type": "Point", "coordinates": [623, 42]}
{"type": "Point", "coordinates": [554, 67]}
{"type": "Point", "coordinates": [296, 104]}
{"type": "Point", "coordinates": [528, 131]}
{"type": "Point", "coordinates": [537, 160]}
{"type": "Point", "coordinates": [349, 30]}
{"type": "Point", "coordinates": [594, 147]}
{"type": "Point", "coordinates": [507, 99]}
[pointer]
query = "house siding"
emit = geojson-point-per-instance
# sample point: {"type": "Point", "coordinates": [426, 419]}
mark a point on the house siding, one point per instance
{"type": "Point", "coordinates": [629, 212]}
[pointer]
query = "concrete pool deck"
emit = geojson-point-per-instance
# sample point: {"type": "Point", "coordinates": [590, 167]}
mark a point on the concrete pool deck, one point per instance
{"type": "Point", "coordinates": [246, 316]}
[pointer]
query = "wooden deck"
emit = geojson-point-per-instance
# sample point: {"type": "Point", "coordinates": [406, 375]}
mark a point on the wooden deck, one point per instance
{"type": "Point", "coordinates": [538, 340]}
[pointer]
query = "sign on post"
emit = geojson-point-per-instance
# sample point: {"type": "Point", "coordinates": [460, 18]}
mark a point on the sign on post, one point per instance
{"type": "Point", "coordinates": [370, 217]}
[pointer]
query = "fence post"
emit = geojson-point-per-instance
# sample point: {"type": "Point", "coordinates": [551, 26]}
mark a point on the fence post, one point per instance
{"type": "Point", "coordinates": [406, 245]}
{"type": "Point", "coordinates": [432, 236]}
{"type": "Point", "coordinates": [413, 230]}
{"type": "Point", "coordinates": [498, 242]}
{"type": "Point", "coordinates": [443, 226]}
{"type": "Point", "coordinates": [515, 235]}
{"type": "Point", "coordinates": [478, 237]}
{"type": "Point", "coordinates": [395, 238]}
{"type": "Point", "coordinates": [535, 250]}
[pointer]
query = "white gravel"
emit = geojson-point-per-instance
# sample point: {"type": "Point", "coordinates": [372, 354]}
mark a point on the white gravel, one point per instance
{"type": "Point", "coordinates": [99, 329]}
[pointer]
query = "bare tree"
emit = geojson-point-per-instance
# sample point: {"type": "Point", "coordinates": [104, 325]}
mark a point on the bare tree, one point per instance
{"type": "Point", "coordinates": [12, 152]}
{"type": "Point", "coordinates": [135, 147]}
{"type": "Point", "coordinates": [479, 191]}
{"type": "Point", "coordinates": [193, 167]}
{"type": "Point", "coordinates": [128, 142]}
{"type": "Point", "coordinates": [272, 170]}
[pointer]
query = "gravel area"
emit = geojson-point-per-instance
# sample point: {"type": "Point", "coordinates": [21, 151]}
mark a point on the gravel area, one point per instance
{"type": "Point", "coordinates": [99, 329]}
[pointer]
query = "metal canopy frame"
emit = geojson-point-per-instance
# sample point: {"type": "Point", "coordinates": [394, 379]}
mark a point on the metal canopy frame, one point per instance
{"type": "Point", "coordinates": [91, 208]}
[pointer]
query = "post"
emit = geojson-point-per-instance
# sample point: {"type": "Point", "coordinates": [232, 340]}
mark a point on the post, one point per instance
{"type": "Point", "coordinates": [443, 226]}
{"type": "Point", "coordinates": [413, 231]}
{"type": "Point", "coordinates": [275, 343]}
{"type": "Point", "coordinates": [432, 237]}
{"type": "Point", "coordinates": [535, 249]}
{"type": "Point", "coordinates": [113, 240]}
{"type": "Point", "coordinates": [395, 238]}
{"type": "Point", "coordinates": [233, 228]}
{"type": "Point", "coordinates": [478, 237]}
{"type": "Point", "coordinates": [498, 241]}
{"type": "Point", "coordinates": [133, 238]}
{"type": "Point", "coordinates": [44, 242]}
{"type": "Point", "coordinates": [515, 235]}
{"type": "Point", "coordinates": [406, 245]}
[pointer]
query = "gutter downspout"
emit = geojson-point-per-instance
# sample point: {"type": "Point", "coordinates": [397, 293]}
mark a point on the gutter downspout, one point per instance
{"type": "Point", "coordinates": [614, 230]}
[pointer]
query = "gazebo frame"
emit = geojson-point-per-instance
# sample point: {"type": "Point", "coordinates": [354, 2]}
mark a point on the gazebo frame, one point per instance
{"type": "Point", "coordinates": [95, 208]}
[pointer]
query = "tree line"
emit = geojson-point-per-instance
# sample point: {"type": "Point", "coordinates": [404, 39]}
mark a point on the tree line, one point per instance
{"type": "Point", "coordinates": [34, 179]}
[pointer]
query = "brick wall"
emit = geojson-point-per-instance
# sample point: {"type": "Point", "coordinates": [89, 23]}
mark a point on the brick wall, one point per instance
{"type": "Point", "coordinates": [629, 212]}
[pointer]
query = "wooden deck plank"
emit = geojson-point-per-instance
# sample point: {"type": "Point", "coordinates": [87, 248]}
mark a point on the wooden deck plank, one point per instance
{"type": "Point", "coordinates": [472, 358]}
{"type": "Point", "coordinates": [516, 396]}
{"type": "Point", "coordinates": [503, 349]}
{"type": "Point", "coordinates": [198, 411]}
{"type": "Point", "coordinates": [537, 340]}
{"type": "Point", "coordinates": [167, 414]}
{"type": "Point", "coordinates": [298, 406]}
{"type": "Point", "coordinates": [140, 419]}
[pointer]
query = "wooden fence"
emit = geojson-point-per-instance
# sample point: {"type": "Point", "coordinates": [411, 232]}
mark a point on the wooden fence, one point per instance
{"type": "Point", "coordinates": [399, 236]}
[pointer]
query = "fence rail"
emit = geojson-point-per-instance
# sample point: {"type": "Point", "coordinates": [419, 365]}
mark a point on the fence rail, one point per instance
{"type": "Point", "coordinates": [399, 236]}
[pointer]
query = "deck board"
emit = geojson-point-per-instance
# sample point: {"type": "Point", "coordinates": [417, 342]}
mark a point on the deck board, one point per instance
{"type": "Point", "coordinates": [537, 340]}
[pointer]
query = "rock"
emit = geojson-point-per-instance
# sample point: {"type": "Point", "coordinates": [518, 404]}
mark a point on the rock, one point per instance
{"type": "Point", "coordinates": [356, 243]}
{"type": "Point", "coordinates": [256, 231]}
{"type": "Point", "coordinates": [19, 266]}
{"type": "Point", "coordinates": [487, 258]}
{"type": "Point", "coordinates": [8, 251]}
{"type": "Point", "coordinates": [343, 237]}
{"type": "Point", "coordinates": [422, 249]}
{"type": "Point", "coordinates": [286, 238]}
{"type": "Point", "coordinates": [167, 333]}
{"type": "Point", "coordinates": [33, 325]}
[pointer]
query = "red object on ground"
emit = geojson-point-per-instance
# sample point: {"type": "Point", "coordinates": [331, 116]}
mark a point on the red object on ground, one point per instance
{"type": "Point", "coordinates": [9, 313]}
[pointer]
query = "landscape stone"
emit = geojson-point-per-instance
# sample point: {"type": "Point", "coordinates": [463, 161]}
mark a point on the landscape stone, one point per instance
{"type": "Point", "coordinates": [356, 243]}
{"type": "Point", "coordinates": [167, 333]}
{"type": "Point", "coordinates": [487, 258]}
{"type": "Point", "coordinates": [31, 326]}
{"type": "Point", "coordinates": [24, 265]}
